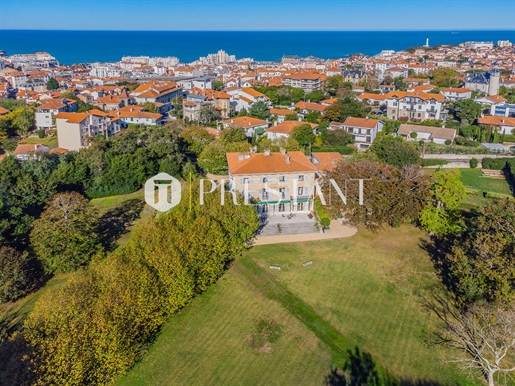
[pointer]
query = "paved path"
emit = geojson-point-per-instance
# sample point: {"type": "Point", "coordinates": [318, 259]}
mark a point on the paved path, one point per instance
{"type": "Point", "coordinates": [337, 231]}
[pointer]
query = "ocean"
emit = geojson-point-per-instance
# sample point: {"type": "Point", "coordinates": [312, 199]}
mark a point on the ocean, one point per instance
{"type": "Point", "coordinates": [71, 47]}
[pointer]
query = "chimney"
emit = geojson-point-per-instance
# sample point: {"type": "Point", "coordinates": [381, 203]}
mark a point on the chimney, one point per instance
{"type": "Point", "coordinates": [243, 156]}
{"type": "Point", "coordinates": [275, 123]}
{"type": "Point", "coordinates": [300, 119]}
{"type": "Point", "coordinates": [283, 150]}
{"type": "Point", "coordinates": [366, 117]}
{"type": "Point", "coordinates": [232, 120]}
{"type": "Point", "coordinates": [267, 152]}
{"type": "Point", "coordinates": [287, 159]}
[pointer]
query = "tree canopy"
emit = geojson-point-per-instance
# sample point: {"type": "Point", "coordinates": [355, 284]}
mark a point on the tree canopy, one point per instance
{"type": "Point", "coordinates": [394, 151]}
{"type": "Point", "coordinates": [52, 84]}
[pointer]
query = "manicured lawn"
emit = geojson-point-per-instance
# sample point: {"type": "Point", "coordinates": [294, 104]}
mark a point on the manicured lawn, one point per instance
{"type": "Point", "coordinates": [473, 178]}
{"type": "Point", "coordinates": [363, 291]}
{"type": "Point", "coordinates": [48, 141]}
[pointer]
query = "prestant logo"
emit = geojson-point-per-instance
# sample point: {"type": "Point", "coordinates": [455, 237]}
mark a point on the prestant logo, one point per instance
{"type": "Point", "coordinates": [167, 195]}
{"type": "Point", "coordinates": [163, 192]}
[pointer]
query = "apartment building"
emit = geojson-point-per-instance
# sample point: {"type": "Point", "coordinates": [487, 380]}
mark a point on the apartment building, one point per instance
{"type": "Point", "coordinates": [75, 130]}
{"type": "Point", "coordinates": [252, 126]}
{"type": "Point", "coordinates": [279, 182]}
{"type": "Point", "coordinates": [305, 80]}
{"type": "Point", "coordinates": [453, 94]}
{"type": "Point", "coordinates": [161, 92]}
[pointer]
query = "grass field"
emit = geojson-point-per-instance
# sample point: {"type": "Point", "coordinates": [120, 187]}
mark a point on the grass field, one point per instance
{"type": "Point", "coordinates": [362, 291]}
{"type": "Point", "coordinates": [48, 141]}
{"type": "Point", "coordinates": [473, 178]}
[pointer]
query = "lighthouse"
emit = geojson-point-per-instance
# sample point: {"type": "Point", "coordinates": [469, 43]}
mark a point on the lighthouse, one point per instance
{"type": "Point", "coordinates": [493, 84]}
{"type": "Point", "coordinates": [427, 42]}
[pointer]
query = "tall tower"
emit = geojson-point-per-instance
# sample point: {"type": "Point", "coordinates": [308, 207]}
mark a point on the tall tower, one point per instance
{"type": "Point", "coordinates": [493, 85]}
{"type": "Point", "coordinates": [427, 42]}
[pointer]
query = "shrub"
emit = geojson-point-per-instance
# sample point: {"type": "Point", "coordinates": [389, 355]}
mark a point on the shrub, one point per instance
{"type": "Point", "coordinates": [41, 133]}
{"type": "Point", "coordinates": [413, 134]}
{"type": "Point", "coordinates": [13, 274]}
{"type": "Point", "coordinates": [473, 163]}
{"type": "Point", "coordinates": [325, 221]}
{"type": "Point", "coordinates": [265, 332]}
{"type": "Point", "coordinates": [448, 142]}
{"type": "Point", "coordinates": [494, 163]}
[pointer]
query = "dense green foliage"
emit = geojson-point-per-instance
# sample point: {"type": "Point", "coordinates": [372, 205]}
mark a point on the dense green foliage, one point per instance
{"type": "Point", "coordinates": [65, 236]}
{"type": "Point", "coordinates": [344, 108]}
{"type": "Point", "coordinates": [466, 110]}
{"type": "Point", "coordinates": [442, 214]}
{"type": "Point", "coordinates": [13, 274]}
{"type": "Point", "coordinates": [303, 134]}
{"type": "Point", "coordinates": [96, 325]}
{"type": "Point", "coordinates": [432, 162]}
{"type": "Point", "coordinates": [282, 95]}
{"type": "Point", "coordinates": [259, 110]}
{"type": "Point", "coordinates": [52, 84]}
{"type": "Point", "coordinates": [394, 151]}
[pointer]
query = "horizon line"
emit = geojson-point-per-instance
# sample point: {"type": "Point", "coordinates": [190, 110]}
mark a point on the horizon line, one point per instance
{"type": "Point", "coordinates": [278, 30]}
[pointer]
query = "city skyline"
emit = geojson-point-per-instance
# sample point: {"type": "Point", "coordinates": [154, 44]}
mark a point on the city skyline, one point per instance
{"type": "Point", "coordinates": [229, 15]}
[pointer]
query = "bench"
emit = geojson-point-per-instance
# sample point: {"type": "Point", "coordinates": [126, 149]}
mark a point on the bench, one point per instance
{"type": "Point", "coordinates": [275, 267]}
{"type": "Point", "coordinates": [307, 263]}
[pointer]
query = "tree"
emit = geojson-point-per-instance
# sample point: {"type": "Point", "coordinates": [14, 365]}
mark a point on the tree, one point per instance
{"type": "Point", "coordinates": [390, 195]}
{"type": "Point", "coordinates": [207, 113]}
{"type": "Point", "coordinates": [482, 335]}
{"type": "Point", "coordinates": [65, 237]}
{"type": "Point", "coordinates": [312, 117]}
{"type": "Point", "coordinates": [334, 112]}
{"type": "Point", "coordinates": [303, 134]}
{"type": "Point", "coordinates": [479, 264]}
{"type": "Point", "coordinates": [150, 107]}
{"type": "Point", "coordinates": [442, 215]}
{"type": "Point", "coordinates": [23, 119]}
{"type": "Point", "coordinates": [315, 96]}
{"type": "Point", "coordinates": [259, 110]}
{"type": "Point", "coordinates": [233, 134]}
{"type": "Point", "coordinates": [444, 77]}
{"type": "Point", "coordinates": [394, 151]}
{"type": "Point", "coordinates": [338, 137]}
{"type": "Point", "coordinates": [52, 84]}
{"type": "Point", "coordinates": [197, 138]}
{"type": "Point", "coordinates": [13, 274]}
{"type": "Point", "coordinates": [467, 111]}
{"type": "Point", "coordinates": [218, 85]}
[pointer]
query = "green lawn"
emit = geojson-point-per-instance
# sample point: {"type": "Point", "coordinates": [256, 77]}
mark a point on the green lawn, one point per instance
{"type": "Point", "coordinates": [48, 141]}
{"type": "Point", "coordinates": [362, 291]}
{"type": "Point", "coordinates": [473, 178]}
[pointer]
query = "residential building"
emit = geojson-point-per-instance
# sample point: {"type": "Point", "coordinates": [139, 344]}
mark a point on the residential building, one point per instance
{"type": "Point", "coordinates": [244, 98]}
{"type": "Point", "coordinates": [285, 128]}
{"type": "Point", "coordinates": [504, 125]}
{"type": "Point", "coordinates": [75, 130]}
{"type": "Point", "coordinates": [414, 105]}
{"type": "Point", "coordinates": [281, 114]}
{"type": "Point", "coordinates": [306, 107]}
{"type": "Point", "coordinates": [427, 133]}
{"type": "Point", "coordinates": [47, 111]}
{"type": "Point", "coordinates": [487, 82]}
{"type": "Point", "coordinates": [136, 115]}
{"type": "Point", "coordinates": [280, 182]}
{"type": "Point", "coordinates": [307, 81]}
{"type": "Point", "coordinates": [25, 152]}
{"type": "Point", "coordinates": [252, 126]}
{"type": "Point", "coordinates": [161, 92]}
{"type": "Point", "coordinates": [354, 76]}
{"type": "Point", "coordinates": [453, 94]}
{"type": "Point", "coordinates": [363, 130]}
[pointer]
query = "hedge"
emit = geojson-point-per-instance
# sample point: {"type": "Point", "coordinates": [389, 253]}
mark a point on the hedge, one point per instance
{"type": "Point", "coordinates": [432, 162]}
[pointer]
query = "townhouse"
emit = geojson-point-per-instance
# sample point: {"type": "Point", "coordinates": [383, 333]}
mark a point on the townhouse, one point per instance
{"type": "Point", "coordinates": [135, 115]}
{"type": "Point", "coordinates": [278, 182]}
{"type": "Point", "coordinates": [245, 97]}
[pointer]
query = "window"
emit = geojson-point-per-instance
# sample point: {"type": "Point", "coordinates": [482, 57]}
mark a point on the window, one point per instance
{"type": "Point", "coordinates": [282, 207]}
{"type": "Point", "coordinates": [245, 180]}
{"type": "Point", "coordinates": [419, 115]}
{"type": "Point", "coordinates": [300, 206]}
{"type": "Point", "coordinates": [282, 178]}
{"type": "Point", "coordinates": [264, 179]}
{"type": "Point", "coordinates": [420, 107]}
{"type": "Point", "coordinates": [302, 177]}
{"type": "Point", "coordinates": [300, 191]}
{"type": "Point", "coordinates": [282, 192]}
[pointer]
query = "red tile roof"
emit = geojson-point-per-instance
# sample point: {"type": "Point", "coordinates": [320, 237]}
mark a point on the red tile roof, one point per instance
{"type": "Point", "coordinates": [259, 163]}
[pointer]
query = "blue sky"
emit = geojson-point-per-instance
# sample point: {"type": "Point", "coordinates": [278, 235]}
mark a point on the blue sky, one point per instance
{"type": "Point", "coordinates": [257, 15]}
